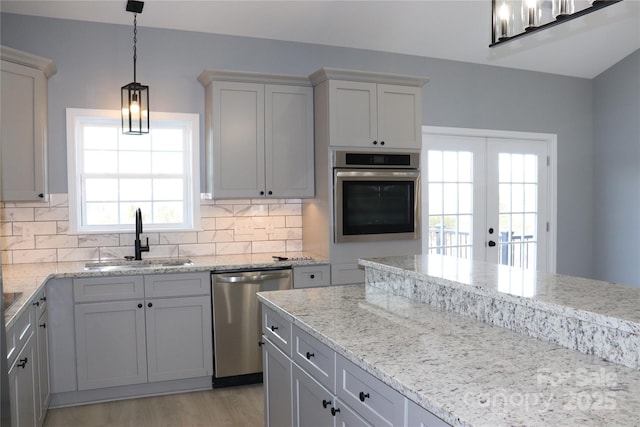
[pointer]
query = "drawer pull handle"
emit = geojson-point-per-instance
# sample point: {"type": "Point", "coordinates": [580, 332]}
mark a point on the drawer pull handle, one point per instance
{"type": "Point", "coordinates": [326, 403]}
{"type": "Point", "coordinates": [260, 343]}
{"type": "Point", "coordinates": [43, 299]}
{"type": "Point", "coordinates": [150, 305]}
{"type": "Point", "coordinates": [334, 411]}
{"type": "Point", "coordinates": [37, 303]}
{"type": "Point", "coordinates": [44, 325]}
{"type": "Point", "coordinates": [274, 328]}
{"type": "Point", "coordinates": [139, 305]}
{"type": "Point", "coordinates": [313, 276]}
{"type": "Point", "coordinates": [310, 355]}
{"type": "Point", "coordinates": [22, 363]}
{"type": "Point", "coordinates": [363, 396]}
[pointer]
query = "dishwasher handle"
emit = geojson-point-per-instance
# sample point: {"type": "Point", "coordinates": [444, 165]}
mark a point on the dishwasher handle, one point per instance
{"type": "Point", "coordinates": [252, 278]}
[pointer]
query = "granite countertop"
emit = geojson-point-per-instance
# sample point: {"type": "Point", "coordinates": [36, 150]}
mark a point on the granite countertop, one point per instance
{"type": "Point", "coordinates": [463, 370]}
{"type": "Point", "coordinates": [29, 278]}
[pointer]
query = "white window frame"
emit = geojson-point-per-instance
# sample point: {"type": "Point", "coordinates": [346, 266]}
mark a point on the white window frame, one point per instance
{"type": "Point", "coordinates": [76, 117]}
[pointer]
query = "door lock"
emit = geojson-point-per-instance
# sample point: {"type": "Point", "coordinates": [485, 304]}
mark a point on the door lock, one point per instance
{"type": "Point", "coordinates": [491, 243]}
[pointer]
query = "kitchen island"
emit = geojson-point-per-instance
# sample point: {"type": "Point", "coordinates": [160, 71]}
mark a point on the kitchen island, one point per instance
{"type": "Point", "coordinates": [463, 370]}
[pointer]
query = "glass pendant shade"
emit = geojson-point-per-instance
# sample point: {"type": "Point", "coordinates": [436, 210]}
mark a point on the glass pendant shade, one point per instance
{"type": "Point", "coordinates": [531, 14]}
{"type": "Point", "coordinates": [563, 8]}
{"type": "Point", "coordinates": [504, 20]}
{"type": "Point", "coordinates": [135, 109]}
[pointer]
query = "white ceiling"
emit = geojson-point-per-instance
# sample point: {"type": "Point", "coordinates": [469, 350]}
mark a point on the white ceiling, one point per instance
{"type": "Point", "coordinates": [448, 29]}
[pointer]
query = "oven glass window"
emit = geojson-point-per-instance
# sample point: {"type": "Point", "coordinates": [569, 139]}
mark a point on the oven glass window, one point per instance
{"type": "Point", "coordinates": [375, 207]}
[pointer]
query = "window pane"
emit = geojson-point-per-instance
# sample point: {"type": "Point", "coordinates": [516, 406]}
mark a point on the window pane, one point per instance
{"type": "Point", "coordinates": [134, 142]}
{"type": "Point", "coordinates": [128, 212]}
{"type": "Point", "coordinates": [135, 189]}
{"type": "Point", "coordinates": [100, 161]}
{"type": "Point", "coordinates": [165, 162]}
{"type": "Point", "coordinates": [137, 162]}
{"type": "Point", "coordinates": [102, 213]}
{"type": "Point", "coordinates": [100, 190]}
{"type": "Point", "coordinates": [167, 139]}
{"type": "Point", "coordinates": [100, 137]}
{"type": "Point", "coordinates": [168, 189]}
{"type": "Point", "coordinates": [167, 212]}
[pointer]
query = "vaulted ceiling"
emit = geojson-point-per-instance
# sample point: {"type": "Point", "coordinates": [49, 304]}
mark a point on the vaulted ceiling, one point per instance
{"type": "Point", "coordinates": [449, 29]}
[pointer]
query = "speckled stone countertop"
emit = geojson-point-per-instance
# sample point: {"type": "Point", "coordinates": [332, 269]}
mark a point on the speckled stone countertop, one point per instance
{"type": "Point", "coordinates": [463, 370]}
{"type": "Point", "coordinates": [586, 315]}
{"type": "Point", "coordinates": [28, 278]}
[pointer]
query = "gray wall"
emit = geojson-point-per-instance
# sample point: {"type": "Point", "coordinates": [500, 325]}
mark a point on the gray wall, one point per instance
{"type": "Point", "coordinates": [616, 94]}
{"type": "Point", "coordinates": [95, 60]}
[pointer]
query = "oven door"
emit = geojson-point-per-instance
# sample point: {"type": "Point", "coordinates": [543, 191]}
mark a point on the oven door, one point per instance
{"type": "Point", "coordinates": [376, 204]}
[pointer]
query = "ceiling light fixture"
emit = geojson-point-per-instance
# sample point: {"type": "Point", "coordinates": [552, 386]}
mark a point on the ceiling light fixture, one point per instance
{"type": "Point", "coordinates": [536, 15]}
{"type": "Point", "coordinates": [134, 96]}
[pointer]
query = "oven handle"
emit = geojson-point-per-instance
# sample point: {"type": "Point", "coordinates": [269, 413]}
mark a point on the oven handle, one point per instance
{"type": "Point", "coordinates": [376, 174]}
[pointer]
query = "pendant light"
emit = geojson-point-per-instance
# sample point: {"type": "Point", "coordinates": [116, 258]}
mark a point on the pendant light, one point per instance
{"type": "Point", "coordinates": [135, 96]}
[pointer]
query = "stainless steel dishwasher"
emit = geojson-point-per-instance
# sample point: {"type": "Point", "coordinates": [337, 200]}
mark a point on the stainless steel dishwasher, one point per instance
{"type": "Point", "coordinates": [237, 322]}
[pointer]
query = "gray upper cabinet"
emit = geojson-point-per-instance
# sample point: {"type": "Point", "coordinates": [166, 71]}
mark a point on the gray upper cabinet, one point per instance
{"type": "Point", "coordinates": [259, 135]}
{"type": "Point", "coordinates": [24, 125]}
{"type": "Point", "coordinates": [369, 110]}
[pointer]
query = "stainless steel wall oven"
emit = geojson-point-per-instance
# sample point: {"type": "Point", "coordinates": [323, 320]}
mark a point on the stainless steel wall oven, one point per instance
{"type": "Point", "coordinates": [376, 196]}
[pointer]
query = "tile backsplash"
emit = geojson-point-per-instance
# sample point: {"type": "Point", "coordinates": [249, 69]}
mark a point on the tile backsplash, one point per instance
{"type": "Point", "coordinates": [38, 232]}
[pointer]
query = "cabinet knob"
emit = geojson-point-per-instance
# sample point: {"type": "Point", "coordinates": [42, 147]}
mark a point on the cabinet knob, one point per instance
{"type": "Point", "coordinates": [313, 276]}
{"type": "Point", "coordinates": [274, 328]}
{"type": "Point", "coordinates": [44, 326]}
{"type": "Point", "coordinates": [139, 305]}
{"type": "Point", "coordinates": [381, 142]}
{"type": "Point", "coordinates": [22, 362]}
{"type": "Point", "coordinates": [334, 411]}
{"type": "Point", "coordinates": [363, 396]}
{"type": "Point", "coordinates": [375, 142]}
{"type": "Point", "coordinates": [150, 305]}
{"type": "Point", "coordinates": [37, 303]}
{"type": "Point", "coordinates": [43, 299]}
{"type": "Point", "coordinates": [262, 193]}
{"type": "Point", "coordinates": [41, 195]}
{"type": "Point", "coordinates": [270, 192]}
{"type": "Point", "coordinates": [326, 403]}
{"type": "Point", "coordinates": [260, 343]}
{"type": "Point", "coordinates": [310, 355]}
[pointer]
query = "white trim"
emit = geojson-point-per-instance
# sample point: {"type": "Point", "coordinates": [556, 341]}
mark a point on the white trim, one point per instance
{"type": "Point", "coordinates": [552, 191]}
{"type": "Point", "coordinates": [192, 186]}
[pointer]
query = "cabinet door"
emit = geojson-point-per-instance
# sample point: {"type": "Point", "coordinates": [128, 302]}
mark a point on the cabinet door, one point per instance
{"type": "Point", "coordinates": [179, 338]}
{"type": "Point", "coordinates": [22, 387]}
{"type": "Point", "coordinates": [352, 114]}
{"type": "Point", "coordinates": [312, 403]}
{"type": "Point", "coordinates": [420, 417]}
{"type": "Point", "coordinates": [23, 133]}
{"type": "Point", "coordinates": [289, 141]}
{"type": "Point", "coordinates": [346, 417]}
{"type": "Point", "coordinates": [43, 393]}
{"type": "Point", "coordinates": [110, 344]}
{"type": "Point", "coordinates": [238, 139]}
{"type": "Point", "coordinates": [399, 116]}
{"type": "Point", "coordinates": [277, 385]}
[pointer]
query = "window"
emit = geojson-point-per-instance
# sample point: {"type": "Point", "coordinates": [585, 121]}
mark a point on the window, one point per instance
{"type": "Point", "coordinates": [111, 174]}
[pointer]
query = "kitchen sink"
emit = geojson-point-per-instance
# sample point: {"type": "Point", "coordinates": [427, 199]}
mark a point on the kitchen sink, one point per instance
{"type": "Point", "coordinates": [135, 265]}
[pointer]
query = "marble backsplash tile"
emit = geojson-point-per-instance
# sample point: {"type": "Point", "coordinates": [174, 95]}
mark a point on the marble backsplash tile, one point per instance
{"type": "Point", "coordinates": [38, 232]}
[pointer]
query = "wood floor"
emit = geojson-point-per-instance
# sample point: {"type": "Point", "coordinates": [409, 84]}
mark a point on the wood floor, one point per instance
{"type": "Point", "coordinates": [226, 407]}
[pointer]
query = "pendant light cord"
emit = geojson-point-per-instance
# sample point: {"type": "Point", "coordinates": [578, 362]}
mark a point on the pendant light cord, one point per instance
{"type": "Point", "coordinates": [135, 39]}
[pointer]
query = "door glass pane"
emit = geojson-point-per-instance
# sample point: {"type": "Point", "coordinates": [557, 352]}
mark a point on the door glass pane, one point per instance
{"type": "Point", "coordinates": [450, 213]}
{"type": "Point", "coordinates": [518, 192]}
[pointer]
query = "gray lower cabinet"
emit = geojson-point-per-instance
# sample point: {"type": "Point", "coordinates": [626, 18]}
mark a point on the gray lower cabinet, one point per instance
{"type": "Point", "coordinates": [28, 364]}
{"type": "Point", "coordinates": [138, 339]}
{"type": "Point", "coordinates": [277, 379]}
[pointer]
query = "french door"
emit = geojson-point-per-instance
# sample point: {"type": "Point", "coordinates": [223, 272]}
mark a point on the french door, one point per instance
{"type": "Point", "coordinates": [488, 198]}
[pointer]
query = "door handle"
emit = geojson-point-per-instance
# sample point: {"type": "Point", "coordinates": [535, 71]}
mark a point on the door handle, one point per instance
{"type": "Point", "coordinates": [491, 243]}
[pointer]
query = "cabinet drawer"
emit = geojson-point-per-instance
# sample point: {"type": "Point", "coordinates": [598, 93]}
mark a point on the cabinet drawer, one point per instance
{"type": "Point", "coordinates": [277, 329]}
{"type": "Point", "coordinates": [177, 285]}
{"type": "Point", "coordinates": [18, 334]}
{"type": "Point", "coordinates": [375, 401]}
{"type": "Point", "coordinates": [419, 417]}
{"type": "Point", "coordinates": [314, 357]}
{"type": "Point", "coordinates": [108, 288]}
{"type": "Point", "coordinates": [311, 276]}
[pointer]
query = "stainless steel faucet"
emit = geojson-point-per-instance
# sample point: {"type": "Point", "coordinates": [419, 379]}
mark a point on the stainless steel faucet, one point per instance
{"type": "Point", "coordinates": [139, 248]}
